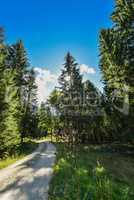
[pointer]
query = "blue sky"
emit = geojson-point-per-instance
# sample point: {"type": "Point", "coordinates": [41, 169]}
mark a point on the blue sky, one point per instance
{"type": "Point", "coordinates": [50, 28]}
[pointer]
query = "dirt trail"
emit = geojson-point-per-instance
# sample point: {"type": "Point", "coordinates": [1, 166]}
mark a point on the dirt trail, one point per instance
{"type": "Point", "coordinates": [29, 178]}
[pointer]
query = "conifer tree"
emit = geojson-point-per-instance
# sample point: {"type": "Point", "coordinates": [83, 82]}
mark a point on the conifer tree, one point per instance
{"type": "Point", "coordinates": [71, 98]}
{"type": "Point", "coordinates": [17, 65]}
{"type": "Point", "coordinates": [123, 17]}
{"type": "Point", "coordinates": [18, 109]}
{"type": "Point", "coordinates": [30, 105]}
{"type": "Point", "coordinates": [2, 91]}
{"type": "Point", "coordinates": [71, 85]}
{"type": "Point", "coordinates": [117, 63]}
{"type": "Point", "coordinates": [44, 118]}
{"type": "Point", "coordinates": [12, 114]}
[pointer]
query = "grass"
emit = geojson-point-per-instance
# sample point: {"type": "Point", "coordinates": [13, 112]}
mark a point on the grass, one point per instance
{"type": "Point", "coordinates": [97, 173]}
{"type": "Point", "coordinates": [20, 152]}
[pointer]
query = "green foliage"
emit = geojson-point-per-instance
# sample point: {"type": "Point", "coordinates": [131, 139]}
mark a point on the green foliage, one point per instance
{"type": "Point", "coordinates": [54, 100]}
{"type": "Point", "coordinates": [44, 119]}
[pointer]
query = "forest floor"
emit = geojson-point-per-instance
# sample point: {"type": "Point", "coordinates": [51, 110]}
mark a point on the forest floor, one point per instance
{"type": "Point", "coordinates": [90, 172]}
{"type": "Point", "coordinates": [28, 179]}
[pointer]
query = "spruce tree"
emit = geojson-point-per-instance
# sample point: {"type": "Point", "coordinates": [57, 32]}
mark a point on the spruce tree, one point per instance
{"type": "Point", "coordinates": [71, 92]}
{"type": "Point", "coordinates": [123, 17]}
{"type": "Point", "coordinates": [12, 114]}
{"type": "Point", "coordinates": [71, 85]}
{"type": "Point", "coordinates": [44, 118]}
{"type": "Point", "coordinates": [30, 105]}
{"type": "Point", "coordinates": [117, 64]}
{"type": "Point", "coordinates": [15, 67]}
{"type": "Point", "coordinates": [2, 91]}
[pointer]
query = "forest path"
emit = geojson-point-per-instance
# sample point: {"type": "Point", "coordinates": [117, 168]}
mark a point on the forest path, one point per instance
{"type": "Point", "coordinates": [28, 179]}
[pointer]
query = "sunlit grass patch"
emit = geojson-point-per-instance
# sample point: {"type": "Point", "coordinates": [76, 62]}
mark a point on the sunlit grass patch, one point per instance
{"type": "Point", "coordinates": [20, 152]}
{"type": "Point", "coordinates": [9, 161]}
{"type": "Point", "coordinates": [93, 175]}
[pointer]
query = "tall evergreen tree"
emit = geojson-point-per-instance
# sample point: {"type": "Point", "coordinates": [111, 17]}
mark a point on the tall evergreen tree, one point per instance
{"type": "Point", "coordinates": [18, 109]}
{"type": "Point", "coordinates": [2, 90]}
{"type": "Point", "coordinates": [30, 105]}
{"type": "Point", "coordinates": [44, 118]}
{"type": "Point", "coordinates": [17, 64]}
{"type": "Point", "coordinates": [71, 85]}
{"type": "Point", "coordinates": [123, 16]}
{"type": "Point", "coordinates": [12, 114]}
{"type": "Point", "coordinates": [117, 63]}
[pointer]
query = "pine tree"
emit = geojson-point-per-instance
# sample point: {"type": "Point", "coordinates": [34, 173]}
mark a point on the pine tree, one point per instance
{"type": "Point", "coordinates": [18, 109]}
{"type": "Point", "coordinates": [30, 105]}
{"type": "Point", "coordinates": [17, 59]}
{"type": "Point", "coordinates": [12, 118]}
{"type": "Point", "coordinates": [2, 70]}
{"type": "Point", "coordinates": [117, 63]}
{"type": "Point", "coordinates": [25, 82]}
{"type": "Point", "coordinates": [92, 112]}
{"type": "Point", "coordinates": [71, 93]}
{"type": "Point", "coordinates": [55, 101]}
{"type": "Point", "coordinates": [2, 91]}
{"type": "Point", "coordinates": [44, 118]}
{"type": "Point", "coordinates": [15, 67]}
{"type": "Point", "coordinates": [123, 16]}
{"type": "Point", "coordinates": [71, 85]}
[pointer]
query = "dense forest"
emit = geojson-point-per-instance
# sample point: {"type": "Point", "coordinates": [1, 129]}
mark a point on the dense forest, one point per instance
{"type": "Point", "coordinates": [88, 115]}
{"type": "Point", "coordinates": [17, 96]}
{"type": "Point", "coordinates": [76, 110]}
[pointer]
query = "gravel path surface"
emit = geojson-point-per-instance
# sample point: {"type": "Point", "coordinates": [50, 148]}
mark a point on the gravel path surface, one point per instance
{"type": "Point", "coordinates": [28, 179]}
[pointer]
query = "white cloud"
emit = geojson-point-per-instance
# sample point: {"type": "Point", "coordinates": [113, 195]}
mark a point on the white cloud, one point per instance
{"type": "Point", "coordinates": [45, 81]}
{"type": "Point", "coordinates": [85, 69]}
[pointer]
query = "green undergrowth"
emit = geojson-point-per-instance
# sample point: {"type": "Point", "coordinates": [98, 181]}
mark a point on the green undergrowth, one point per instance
{"type": "Point", "coordinates": [19, 152]}
{"type": "Point", "coordinates": [92, 173]}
